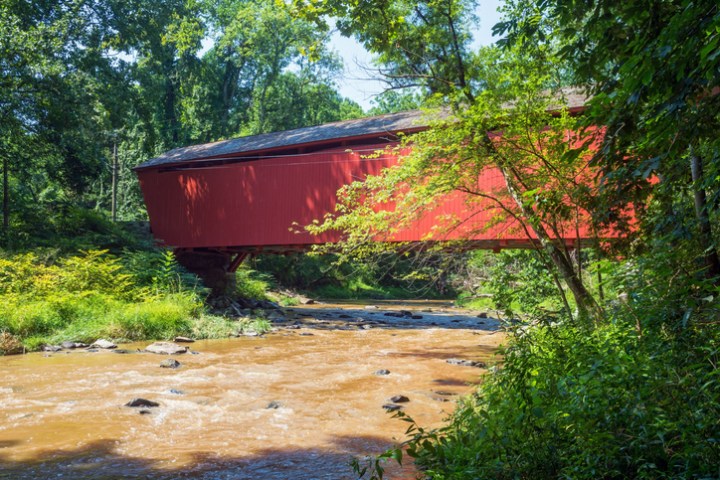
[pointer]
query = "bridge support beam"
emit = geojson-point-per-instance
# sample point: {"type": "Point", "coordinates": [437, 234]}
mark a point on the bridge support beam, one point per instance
{"type": "Point", "coordinates": [237, 261]}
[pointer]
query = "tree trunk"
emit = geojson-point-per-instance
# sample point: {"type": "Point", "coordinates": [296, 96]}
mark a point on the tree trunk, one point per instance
{"type": "Point", "coordinates": [113, 206]}
{"type": "Point", "coordinates": [588, 308]}
{"type": "Point", "coordinates": [712, 262]}
{"type": "Point", "coordinates": [170, 100]}
{"type": "Point", "coordinates": [6, 197]}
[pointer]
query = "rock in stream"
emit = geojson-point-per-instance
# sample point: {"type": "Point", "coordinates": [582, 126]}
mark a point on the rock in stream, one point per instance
{"type": "Point", "coordinates": [141, 402]}
{"type": "Point", "coordinates": [166, 348]}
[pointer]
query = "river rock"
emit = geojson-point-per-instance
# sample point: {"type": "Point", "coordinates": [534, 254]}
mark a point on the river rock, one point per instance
{"type": "Point", "coordinates": [175, 391]}
{"type": "Point", "coordinates": [417, 317]}
{"type": "Point", "coordinates": [307, 301]}
{"type": "Point", "coordinates": [391, 407]}
{"type": "Point", "coordinates": [184, 340]}
{"type": "Point", "coordinates": [482, 315]}
{"type": "Point", "coordinates": [102, 343]}
{"type": "Point", "coordinates": [166, 348]}
{"type": "Point", "coordinates": [465, 363]}
{"type": "Point", "coordinates": [370, 307]}
{"type": "Point", "coordinates": [141, 402]}
{"type": "Point", "coordinates": [71, 345]}
{"type": "Point", "coordinates": [123, 351]}
{"type": "Point", "coordinates": [170, 363]}
{"type": "Point", "coordinates": [274, 405]}
{"type": "Point", "coordinates": [51, 348]}
{"type": "Point", "coordinates": [399, 399]}
{"type": "Point", "coordinates": [344, 315]}
{"type": "Point", "coordinates": [382, 372]}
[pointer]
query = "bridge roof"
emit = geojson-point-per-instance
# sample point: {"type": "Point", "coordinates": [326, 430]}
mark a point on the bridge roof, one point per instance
{"type": "Point", "coordinates": [409, 121]}
{"type": "Point", "coordinates": [369, 127]}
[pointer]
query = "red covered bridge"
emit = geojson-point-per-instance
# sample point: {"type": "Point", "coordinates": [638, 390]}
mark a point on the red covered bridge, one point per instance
{"type": "Point", "coordinates": [244, 195]}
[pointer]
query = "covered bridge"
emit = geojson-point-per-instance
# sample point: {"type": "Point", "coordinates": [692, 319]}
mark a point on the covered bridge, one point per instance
{"type": "Point", "coordinates": [220, 201]}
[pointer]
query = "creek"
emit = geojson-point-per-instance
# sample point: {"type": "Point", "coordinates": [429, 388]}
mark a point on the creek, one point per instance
{"type": "Point", "coordinates": [298, 403]}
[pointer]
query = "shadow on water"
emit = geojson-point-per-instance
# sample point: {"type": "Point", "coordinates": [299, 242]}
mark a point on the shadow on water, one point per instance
{"type": "Point", "coordinates": [397, 316]}
{"type": "Point", "coordinates": [480, 351]}
{"type": "Point", "coordinates": [452, 382]}
{"type": "Point", "coordinates": [100, 460]}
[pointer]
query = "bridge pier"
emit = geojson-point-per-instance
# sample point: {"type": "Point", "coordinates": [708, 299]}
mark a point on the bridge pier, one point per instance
{"type": "Point", "coordinates": [215, 268]}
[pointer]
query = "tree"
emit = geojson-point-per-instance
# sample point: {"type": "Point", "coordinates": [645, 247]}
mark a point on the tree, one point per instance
{"type": "Point", "coordinates": [84, 82]}
{"type": "Point", "coordinates": [653, 70]}
{"type": "Point", "coordinates": [48, 102]}
{"type": "Point", "coordinates": [517, 92]}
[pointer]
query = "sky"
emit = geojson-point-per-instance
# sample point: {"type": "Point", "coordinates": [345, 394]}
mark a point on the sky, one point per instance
{"type": "Point", "coordinates": [357, 83]}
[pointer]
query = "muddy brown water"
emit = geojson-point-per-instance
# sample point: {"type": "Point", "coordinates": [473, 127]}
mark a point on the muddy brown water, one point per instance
{"type": "Point", "coordinates": [63, 414]}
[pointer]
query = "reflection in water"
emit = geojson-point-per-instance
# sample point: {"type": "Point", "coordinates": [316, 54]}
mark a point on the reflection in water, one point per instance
{"type": "Point", "coordinates": [291, 405]}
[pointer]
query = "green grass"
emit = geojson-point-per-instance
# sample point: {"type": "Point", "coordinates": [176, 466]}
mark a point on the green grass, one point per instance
{"type": "Point", "coordinates": [477, 303]}
{"type": "Point", "coordinates": [212, 326]}
{"type": "Point", "coordinates": [257, 325]}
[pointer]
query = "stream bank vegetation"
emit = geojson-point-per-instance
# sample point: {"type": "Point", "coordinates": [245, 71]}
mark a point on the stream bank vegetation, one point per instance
{"type": "Point", "coordinates": [133, 292]}
{"type": "Point", "coordinates": [614, 371]}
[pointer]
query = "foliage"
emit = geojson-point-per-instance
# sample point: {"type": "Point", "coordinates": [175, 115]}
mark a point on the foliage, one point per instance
{"type": "Point", "coordinates": [385, 276]}
{"type": "Point", "coordinates": [546, 188]}
{"type": "Point", "coordinates": [251, 284]}
{"type": "Point", "coordinates": [159, 270]}
{"type": "Point", "coordinates": [422, 44]}
{"type": "Point", "coordinates": [568, 404]}
{"type": "Point", "coordinates": [652, 71]}
{"type": "Point", "coordinates": [519, 280]}
{"type": "Point", "coordinates": [84, 297]}
{"type": "Point", "coordinates": [85, 84]}
{"type": "Point", "coordinates": [9, 344]}
{"type": "Point", "coordinates": [632, 394]}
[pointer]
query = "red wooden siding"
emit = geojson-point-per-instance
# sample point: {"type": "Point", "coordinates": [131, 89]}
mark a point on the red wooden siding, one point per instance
{"type": "Point", "coordinates": [254, 204]}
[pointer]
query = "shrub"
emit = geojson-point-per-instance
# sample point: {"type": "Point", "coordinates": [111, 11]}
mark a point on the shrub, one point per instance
{"type": "Point", "coordinates": [572, 404]}
{"type": "Point", "coordinates": [92, 295]}
{"type": "Point", "coordinates": [96, 271]}
{"type": "Point", "coordinates": [251, 284]}
{"type": "Point", "coordinates": [159, 271]}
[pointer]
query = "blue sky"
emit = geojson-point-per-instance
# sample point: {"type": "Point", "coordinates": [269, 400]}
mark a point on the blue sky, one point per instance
{"type": "Point", "coordinates": [357, 82]}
